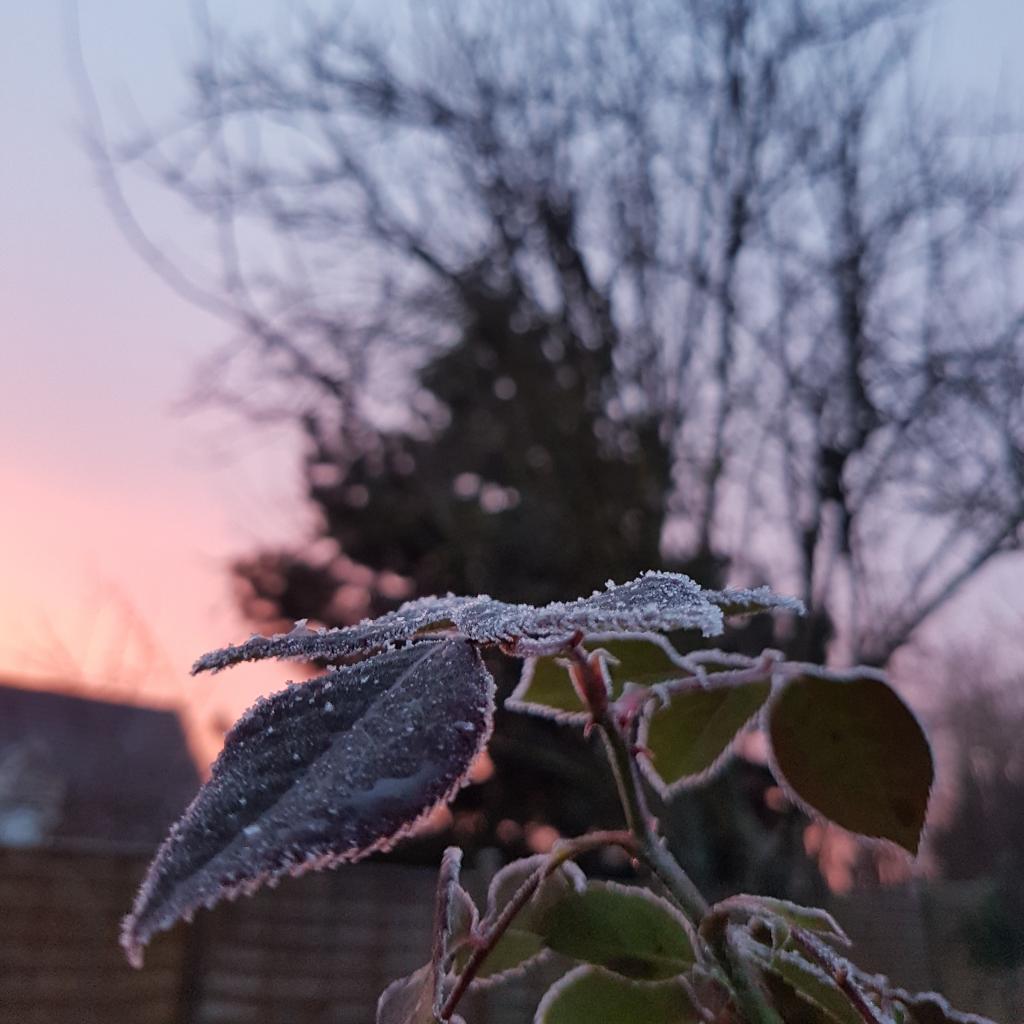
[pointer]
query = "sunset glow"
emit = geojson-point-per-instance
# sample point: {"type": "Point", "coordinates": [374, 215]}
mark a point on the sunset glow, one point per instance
{"type": "Point", "coordinates": [119, 511]}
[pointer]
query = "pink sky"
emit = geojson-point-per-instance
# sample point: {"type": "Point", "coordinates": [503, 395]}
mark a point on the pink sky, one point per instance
{"type": "Point", "coordinates": [113, 503]}
{"type": "Point", "coordinates": [109, 499]}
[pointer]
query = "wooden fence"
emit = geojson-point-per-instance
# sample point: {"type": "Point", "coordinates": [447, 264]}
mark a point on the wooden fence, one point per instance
{"type": "Point", "coordinates": [320, 949]}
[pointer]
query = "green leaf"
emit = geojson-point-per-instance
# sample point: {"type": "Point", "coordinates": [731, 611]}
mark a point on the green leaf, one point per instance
{"type": "Point", "coordinates": [512, 953]}
{"type": "Point", "coordinates": [641, 658]}
{"type": "Point", "coordinates": [851, 750]}
{"type": "Point", "coordinates": [587, 995]}
{"type": "Point", "coordinates": [545, 689]}
{"type": "Point", "coordinates": [522, 944]}
{"type": "Point", "coordinates": [690, 735]}
{"type": "Point", "coordinates": [627, 930]}
{"type": "Point", "coordinates": [801, 991]}
{"type": "Point", "coordinates": [813, 919]}
{"type": "Point", "coordinates": [566, 879]}
{"type": "Point", "coordinates": [811, 984]}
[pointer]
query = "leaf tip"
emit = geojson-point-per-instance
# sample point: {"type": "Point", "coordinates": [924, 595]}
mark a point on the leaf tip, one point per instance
{"type": "Point", "coordinates": [132, 944]}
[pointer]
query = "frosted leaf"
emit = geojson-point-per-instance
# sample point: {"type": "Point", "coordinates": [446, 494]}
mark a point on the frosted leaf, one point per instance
{"type": "Point", "coordinates": [658, 601]}
{"type": "Point", "coordinates": [641, 659]}
{"type": "Point", "coordinates": [847, 747]}
{"type": "Point", "coordinates": [810, 984]}
{"type": "Point", "coordinates": [738, 601]}
{"type": "Point", "coordinates": [488, 621]}
{"type": "Point", "coordinates": [567, 878]}
{"type": "Point", "coordinates": [322, 786]}
{"type": "Point", "coordinates": [932, 1008]}
{"type": "Point", "coordinates": [622, 928]}
{"type": "Point", "coordinates": [522, 944]}
{"type": "Point", "coordinates": [340, 644]}
{"type": "Point", "coordinates": [455, 913]}
{"type": "Point", "coordinates": [420, 997]}
{"type": "Point", "coordinates": [812, 919]}
{"type": "Point", "coordinates": [410, 1000]}
{"type": "Point", "coordinates": [590, 994]}
{"type": "Point", "coordinates": [690, 735]}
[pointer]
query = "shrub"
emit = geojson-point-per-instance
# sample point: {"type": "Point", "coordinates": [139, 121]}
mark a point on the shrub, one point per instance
{"type": "Point", "coordinates": [330, 770]}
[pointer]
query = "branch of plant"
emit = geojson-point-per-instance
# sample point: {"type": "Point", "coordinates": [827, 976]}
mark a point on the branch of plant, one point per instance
{"type": "Point", "coordinates": [652, 851]}
{"type": "Point", "coordinates": [839, 973]}
{"type": "Point", "coordinates": [719, 934]}
{"type": "Point", "coordinates": [751, 999]}
{"type": "Point", "coordinates": [565, 850]}
{"type": "Point", "coordinates": [627, 779]}
{"type": "Point", "coordinates": [617, 724]}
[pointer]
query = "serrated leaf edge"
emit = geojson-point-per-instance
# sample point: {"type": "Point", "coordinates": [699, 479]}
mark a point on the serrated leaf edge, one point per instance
{"type": "Point", "coordinates": [761, 906]}
{"type": "Point", "coordinates": [134, 948]}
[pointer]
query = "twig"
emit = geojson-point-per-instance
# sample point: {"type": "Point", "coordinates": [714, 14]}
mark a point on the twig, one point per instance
{"type": "Point", "coordinates": [650, 848]}
{"type": "Point", "coordinates": [751, 1001]}
{"type": "Point", "coordinates": [839, 971]}
{"type": "Point", "coordinates": [562, 852]}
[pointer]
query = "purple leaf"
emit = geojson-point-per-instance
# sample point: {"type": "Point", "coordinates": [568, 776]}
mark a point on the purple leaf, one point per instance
{"type": "Point", "coordinates": [347, 643]}
{"type": "Point", "coordinates": [322, 773]}
{"type": "Point", "coordinates": [737, 601]}
{"type": "Point", "coordinates": [656, 601]}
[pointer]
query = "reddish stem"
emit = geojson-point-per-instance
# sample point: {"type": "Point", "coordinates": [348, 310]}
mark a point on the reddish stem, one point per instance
{"type": "Point", "coordinates": [563, 851]}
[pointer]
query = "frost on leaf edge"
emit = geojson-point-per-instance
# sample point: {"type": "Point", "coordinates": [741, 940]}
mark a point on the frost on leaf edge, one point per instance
{"type": "Point", "coordinates": [134, 943]}
{"type": "Point", "coordinates": [577, 883]}
{"type": "Point", "coordinates": [483, 619]}
{"type": "Point", "coordinates": [841, 676]}
{"type": "Point", "coordinates": [669, 790]}
{"type": "Point", "coordinates": [516, 699]}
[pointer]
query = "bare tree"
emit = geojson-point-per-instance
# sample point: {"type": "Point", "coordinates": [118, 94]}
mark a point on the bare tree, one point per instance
{"type": "Point", "coordinates": [554, 287]}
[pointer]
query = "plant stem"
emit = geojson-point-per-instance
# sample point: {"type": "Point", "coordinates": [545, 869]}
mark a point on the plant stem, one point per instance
{"type": "Point", "coordinates": [752, 1002]}
{"type": "Point", "coordinates": [839, 971]}
{"type": "Point", "coordinates": [627, 779]}
{"type": "Point", "coordinates": [749, 998]}
{"type": "Point", "coordinates": [651, 848]}
{"type": "Point", "coordinates": [562, 852]}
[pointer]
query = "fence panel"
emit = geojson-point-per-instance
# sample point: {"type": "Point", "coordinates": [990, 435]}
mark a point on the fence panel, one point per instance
{"type": "Point", "coordinates": [320, 949]}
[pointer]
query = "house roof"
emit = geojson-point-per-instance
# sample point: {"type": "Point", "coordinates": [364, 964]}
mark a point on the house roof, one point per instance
{"type": "Point", "coordinates": [77, 769]}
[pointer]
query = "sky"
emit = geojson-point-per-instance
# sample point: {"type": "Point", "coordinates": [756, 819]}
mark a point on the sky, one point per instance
{"type": "Point", "coordinates": [119, 509]}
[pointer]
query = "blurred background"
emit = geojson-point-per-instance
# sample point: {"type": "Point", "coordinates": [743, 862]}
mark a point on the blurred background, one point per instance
{"type": "Point", "coordinates": [311, 308]}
